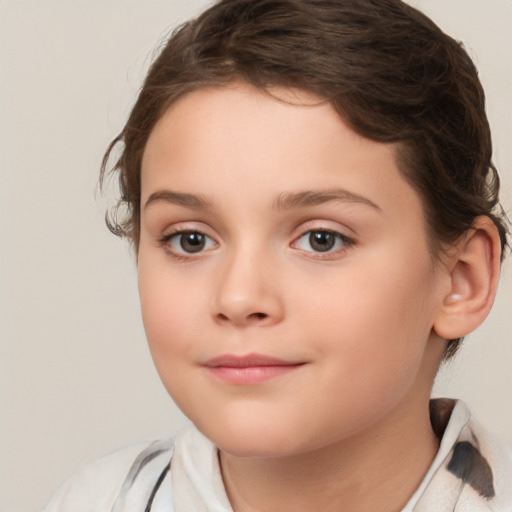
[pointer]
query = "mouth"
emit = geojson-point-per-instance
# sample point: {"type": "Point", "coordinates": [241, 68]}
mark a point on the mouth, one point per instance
{"type": "Point", "coordinates": [250, 369]}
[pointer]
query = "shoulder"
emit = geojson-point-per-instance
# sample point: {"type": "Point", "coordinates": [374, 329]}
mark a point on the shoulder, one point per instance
{"type": "Point", "coordinates": [472, 471]}
{"type": "Point", "coordinates": [485, 464]}
{"type": "Point", "coordinates": [96, 486]}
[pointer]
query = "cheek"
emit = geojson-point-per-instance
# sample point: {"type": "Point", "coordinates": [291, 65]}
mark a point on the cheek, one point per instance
{"type": "Point", "coordinates": [167, 323]}
{"type": "Point", "coordinates": [168, 310]}
{"type": "Point", "coordinates": [377, 321]}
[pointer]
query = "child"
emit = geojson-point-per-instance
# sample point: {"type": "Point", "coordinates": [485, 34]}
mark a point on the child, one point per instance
{"type": "Point", "coordinates": [309, 190]}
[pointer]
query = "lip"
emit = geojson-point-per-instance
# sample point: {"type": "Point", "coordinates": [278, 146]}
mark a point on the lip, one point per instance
{"type": "Point", "coordinates": [249, 369]}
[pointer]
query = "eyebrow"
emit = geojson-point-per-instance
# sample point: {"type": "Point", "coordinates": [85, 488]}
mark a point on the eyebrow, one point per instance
{"type": "Point", "coordinates": [290, 200]}
{"type": "Point", "coordinates": [284, 201]}
{"type": "Point", "coordinates": [179, 198]}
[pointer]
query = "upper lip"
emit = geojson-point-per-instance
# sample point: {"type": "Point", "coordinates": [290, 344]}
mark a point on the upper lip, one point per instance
{"type": "Point", "coordinates": [247, 361]}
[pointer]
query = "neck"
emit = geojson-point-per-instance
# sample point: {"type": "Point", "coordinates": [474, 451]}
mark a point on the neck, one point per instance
{"type": "Point", "coordinates": [379, 469]}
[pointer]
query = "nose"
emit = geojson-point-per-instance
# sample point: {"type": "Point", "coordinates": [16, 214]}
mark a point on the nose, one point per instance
{"type": "Point", "coordinates": [248, 292]}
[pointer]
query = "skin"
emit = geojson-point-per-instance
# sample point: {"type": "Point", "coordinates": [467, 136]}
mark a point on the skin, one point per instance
{"type": "Point", "coordinates": [348, 428]}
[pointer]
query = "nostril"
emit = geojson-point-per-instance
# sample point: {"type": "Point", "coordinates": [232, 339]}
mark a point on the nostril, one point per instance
{"type": "Point", "coordinates": [259, 316]}
{"type": "Point", "coordinates": [241, 317]}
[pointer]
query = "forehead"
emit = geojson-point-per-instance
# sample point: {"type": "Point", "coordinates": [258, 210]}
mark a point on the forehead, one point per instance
{"type": "Point", "coordinates": [266, 142]}
{"type": "Point", "coordinates": [241, 109]}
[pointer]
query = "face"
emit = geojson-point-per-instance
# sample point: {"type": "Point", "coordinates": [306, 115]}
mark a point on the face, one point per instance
{"type": "Point", "coordinates": [287, 290]}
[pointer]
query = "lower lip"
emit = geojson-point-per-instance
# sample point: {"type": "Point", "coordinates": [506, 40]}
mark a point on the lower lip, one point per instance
{"type": "Point", "coordinates": [250, 375]}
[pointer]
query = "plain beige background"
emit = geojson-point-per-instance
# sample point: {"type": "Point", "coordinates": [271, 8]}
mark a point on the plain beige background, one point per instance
{"type": "Point", "coordinates": [76, 379]}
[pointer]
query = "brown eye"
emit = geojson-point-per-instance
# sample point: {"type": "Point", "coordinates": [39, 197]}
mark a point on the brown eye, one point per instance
{"type": "Point", "coordinates": [322, 241]}
{"type": "Point", "coordinates": [192, 242]}
{"type": "Point", "coordinates": [181, 243]}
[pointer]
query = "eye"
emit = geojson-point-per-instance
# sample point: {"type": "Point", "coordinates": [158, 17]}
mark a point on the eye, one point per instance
{"type": "Point", "coordinates": [188, 242]}
{"type": "Point", "coordinates": [322, 240]}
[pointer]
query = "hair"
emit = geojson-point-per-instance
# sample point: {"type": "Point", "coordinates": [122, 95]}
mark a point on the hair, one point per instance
{"type": "Point", "coordinates": [391, 74]}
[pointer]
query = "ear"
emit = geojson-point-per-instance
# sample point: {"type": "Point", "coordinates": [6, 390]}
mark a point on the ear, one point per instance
{"type": "Point", "coordinates": [474, 272]}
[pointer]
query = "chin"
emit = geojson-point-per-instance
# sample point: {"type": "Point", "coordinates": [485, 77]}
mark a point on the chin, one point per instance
{"type": "Point", "coordinates": [250, 448]}
{"type": "Point", "coordinates": [252, 441]}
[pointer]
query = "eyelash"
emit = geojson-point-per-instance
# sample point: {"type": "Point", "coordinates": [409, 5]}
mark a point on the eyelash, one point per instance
{"type": "Point", "coordinates": [166, 240]}
{"type": "Point", "coordinates": [339, 238]}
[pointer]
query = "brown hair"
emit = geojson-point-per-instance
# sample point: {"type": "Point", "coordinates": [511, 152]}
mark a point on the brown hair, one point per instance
{"type": "Point", "coordinates": [387, 69]}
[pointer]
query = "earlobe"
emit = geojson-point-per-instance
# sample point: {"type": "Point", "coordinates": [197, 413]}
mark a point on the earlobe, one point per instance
{"type": "Point", "coordinates": [474, 274]}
